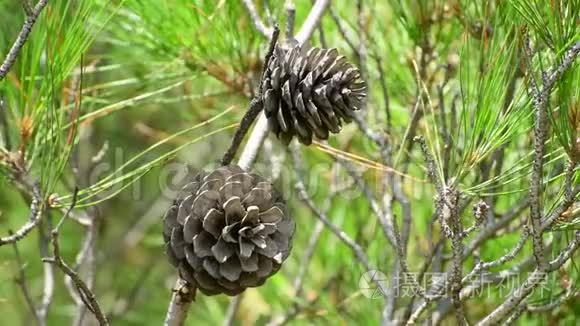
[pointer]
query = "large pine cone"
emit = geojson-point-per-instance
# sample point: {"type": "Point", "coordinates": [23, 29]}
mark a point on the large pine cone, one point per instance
{"type": "Point", "coordinates": [310, 94]}
{"type": "Point", "coordinates": [227, 230]}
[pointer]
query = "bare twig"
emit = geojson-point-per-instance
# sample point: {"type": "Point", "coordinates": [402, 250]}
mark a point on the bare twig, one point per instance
{"type": "Point", "coordinates": [312, 21]}
{"type": "Point", "coordinates": [557, 72]}
{"type": "Point", "coordinates": [69, 209]}
{"type": "Point", "coordinates": [570, 194]}
{"type": "Point", "coordinates": [290, 19]}
{"type": "Point", "coordinates": [503, 259]}
{"type": "Point", "coordinates": [535, 279]}
{"type": "Point", "coordinates": [386, 224]}
{"type": "Point", "coordinates": [565, 254]}
{"type": "Point", "coordinates": [87, 296]}
{"type": "Point", "coordinates": [304, 263]}
{"type": "Point", "coordinates": [420, 275]}
{"type": "Point", "coordinates": [254, 143]}
{"type": "Point", "coordinates": [349, 242]}
{"type": "Point", "coordinates": [447, 208]}
{"type": "Point", "coordinates": [491, 229]}
{"type": "Point", "coordinates": [342, 30]}
{"type": "Point", "coordinates": [232, 310]}
{"type": "Point", "coordinates": [150, 217]}
{"type": "Point", "coordinates": [258, 23]}
{"type": "Point", "coordinates": [309, 252]}
{"type": "Point", "coordinates": [370, 134]}
{"type": "Point", "coordinates": [322, 37]}
{"type": "Point", "coordinates": [404, 266]}
{"type": "Point", "coordinates": [515, 315]}
{"type": "Point", "coordinates": [183, 295]}
{"type": "Point", "coordinates": [362, 47]}
{"type": "Point", "coordinates": [31, 18]}
{"type": "Point", "coordinates": [528, 53]}
{"type": "Point", "coordinates": [256, 106]}
{"type": "Point", "coordinates": [431, 166]}
{"type": "Point", "coordinates": [85, 264]}
{"type": "Point", "coordinates": [48, 271]}
{"type": "Point", "coordinates": [541, 102]}
{"type": "Point", "coordinates": [418, 311]}
{"type": "Point", "coordinates": [384, 89]}
{"type": "Point", "coordinates": [540, 134]}
{"type": "Point", "coordinates": [245, 124]}
{"type": "Point", "coordinates": [554, 303]}
{"type": "Point", "coordinates": [487, 280]}
{"type": "Point", "coordinates": [515, 305]}
{"type": "Point", "coordinates": [21, 281]}
{"type": "Point", "coordinates": [451, 201]}
{"type": "Point", "coordinates": [36, 211]}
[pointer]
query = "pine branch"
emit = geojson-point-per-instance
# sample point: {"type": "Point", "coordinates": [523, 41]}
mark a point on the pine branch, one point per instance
{"type": "Point", "coordinates": [258, 23]}
{"type": "Point", "coordinates": [20, 279]}
{"type": "Point", "coordinates": [256, 106]}
{"type": "Point", "coordinates": [86, 294]}
{"type": "Point", "coordinates": [312, 21]}
{"type": "Point", "coordinates": [533, 281]}
{"type": "Point", "coordinates": [183, 295]}
{"type": "Point", "coordinates": [541, 98]}
{"type": "Point", "coordinates": [36, 211]}
{"type": "Point", "coordinates": [31, 17]}
{"type": "Point", "coordinates": [232, 310]}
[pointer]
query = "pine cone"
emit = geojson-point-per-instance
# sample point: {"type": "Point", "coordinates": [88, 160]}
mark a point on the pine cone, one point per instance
{"type": "Point", "coordinates": [309, 94]}
{"type": "Point", "coordinates": [227, 230]}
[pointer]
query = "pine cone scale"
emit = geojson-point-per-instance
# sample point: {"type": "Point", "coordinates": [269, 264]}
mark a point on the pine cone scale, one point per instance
{"type": "Point", "coordinates": [201, 244]}
{"type": "Point", "coordinates": [177, 243]}
{"type": "Point", "coordinates": [246, 248]}
{"type": "Point", "coordinates": [222, 250]}
{"type": "Point", "coordinates": [191, 227]}
{"type": "Point", "coordinates": [249, 264]}
{"type": "Point", "coordinates": [192, 259]}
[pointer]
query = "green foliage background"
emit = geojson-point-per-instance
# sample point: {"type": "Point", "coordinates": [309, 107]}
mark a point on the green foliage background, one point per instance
{"type": "Point", "coordinates": [153, 71]}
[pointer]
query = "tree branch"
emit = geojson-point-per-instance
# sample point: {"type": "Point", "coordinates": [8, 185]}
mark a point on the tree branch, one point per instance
{"type": "Point", "coordinates": [541, 100]}
{"type": "Point", "coordinates": [48, 270]}
{"type": "Point", "coordinates": [290, 19]}
{"type": "Point", "coordinates": [183, 295]}
{"type": "Point", "coordinates": [256, 106]}
{"type": "Point", "coordinates": [36, 210]}
{"type": "Point", "coordinates": [87, 296]}
{"type": "Point", "coordinates": [530, 284]}
{"type": "Point", "coordinates": [258, 23]}
{"type": "Point", "coordinates": [570, 194]}
{"type": "Point", "coordinates": [21, 281]}
{"type": "Point", "coordinates": [312, 21]}
{"type": "Point", "coordinates": [232, 310]}
{"type": "Point", "coordinates": [31, 18]}
{"type": "Point", "coordinates": [349, 242]}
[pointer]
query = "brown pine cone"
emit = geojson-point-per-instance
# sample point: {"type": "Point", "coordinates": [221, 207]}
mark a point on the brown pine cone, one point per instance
{"type": "Point", "coordinates": [227, 230]}
{"type": "Point", "coordinates": [310, 94]}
